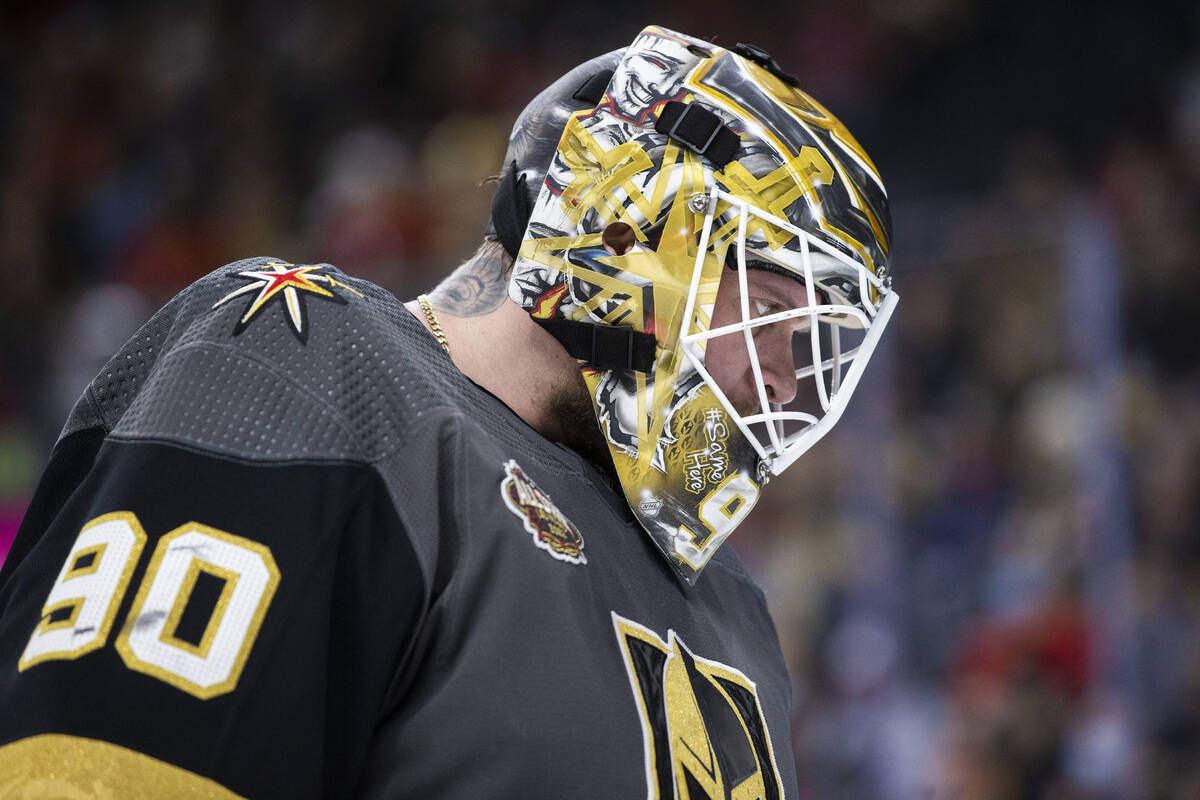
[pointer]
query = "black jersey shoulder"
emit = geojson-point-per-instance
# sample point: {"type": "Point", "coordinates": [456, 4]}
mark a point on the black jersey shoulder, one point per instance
{"type": "Point", "coordinates": [267, 360]}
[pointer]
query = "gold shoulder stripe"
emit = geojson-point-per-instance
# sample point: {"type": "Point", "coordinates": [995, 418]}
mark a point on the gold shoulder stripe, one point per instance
{"type": "Point", "coordinates": [54, 766]}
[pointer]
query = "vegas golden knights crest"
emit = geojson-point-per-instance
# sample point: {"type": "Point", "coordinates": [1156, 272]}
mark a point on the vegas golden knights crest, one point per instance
{"type": "Point", "coordinates": [280, 281]}
{"type": "Point", "coordinates": [705, 736]}
{"type": "Point", "coordinates": [550, 529]}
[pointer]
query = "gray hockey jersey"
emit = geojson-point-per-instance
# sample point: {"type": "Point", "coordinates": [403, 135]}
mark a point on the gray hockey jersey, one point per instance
{"type": "Point", "coordinates": [283, 548]}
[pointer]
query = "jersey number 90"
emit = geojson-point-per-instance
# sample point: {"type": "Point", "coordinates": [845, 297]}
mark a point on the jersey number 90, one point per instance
{"type": "Point", "coordinates": [194, 619]}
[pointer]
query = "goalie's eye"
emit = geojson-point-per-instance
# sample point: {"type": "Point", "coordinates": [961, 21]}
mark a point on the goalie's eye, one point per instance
{"type": "Point", "coordinates": [763, 308]}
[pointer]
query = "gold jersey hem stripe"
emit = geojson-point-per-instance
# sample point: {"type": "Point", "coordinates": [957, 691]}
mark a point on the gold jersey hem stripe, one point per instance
{"type": "Point", "coordinates": [55, 765]}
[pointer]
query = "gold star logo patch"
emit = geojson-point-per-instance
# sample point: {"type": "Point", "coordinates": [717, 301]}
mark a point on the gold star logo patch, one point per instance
{"type": "Point", "coordinates": [289, 284]}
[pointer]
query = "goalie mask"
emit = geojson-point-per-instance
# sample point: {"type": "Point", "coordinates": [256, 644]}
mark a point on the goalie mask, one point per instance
{"type": "Point", "coordinates": [712, 245]}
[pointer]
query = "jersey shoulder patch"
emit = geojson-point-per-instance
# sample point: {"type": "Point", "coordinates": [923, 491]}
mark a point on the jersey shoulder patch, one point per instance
{"type": "Point", "coordinates": [549, 527]}
{"type": "Point", "coordinates": [288, 286]}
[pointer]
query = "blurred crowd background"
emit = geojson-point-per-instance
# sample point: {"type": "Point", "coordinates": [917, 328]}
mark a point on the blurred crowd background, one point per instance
{"type": "Point", "coordinates": [987, 579]}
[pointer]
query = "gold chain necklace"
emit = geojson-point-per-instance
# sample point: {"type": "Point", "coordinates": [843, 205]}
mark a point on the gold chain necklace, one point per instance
{"type": "Point", "coordinates": [434, 325]}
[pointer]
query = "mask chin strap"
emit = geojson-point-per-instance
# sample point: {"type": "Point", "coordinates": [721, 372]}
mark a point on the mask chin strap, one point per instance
{"type": "Point", "coordinates": [603, 347]}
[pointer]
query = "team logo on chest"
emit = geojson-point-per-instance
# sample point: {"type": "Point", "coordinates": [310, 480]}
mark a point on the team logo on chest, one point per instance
{"type": "Point", "coordinates": [704, 732]}
{"type": "Point", "coordinates": [551, 530]}
{"type": "Point", "coordinates": [288, 283]}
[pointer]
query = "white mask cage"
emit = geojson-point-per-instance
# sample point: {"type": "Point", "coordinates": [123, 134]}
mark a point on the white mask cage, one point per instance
{"type": "Point", "coordinates": [832, 341]}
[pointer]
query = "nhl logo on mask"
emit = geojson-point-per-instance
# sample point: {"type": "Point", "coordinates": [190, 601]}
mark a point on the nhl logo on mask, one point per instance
{"type": "Point", "coordinates": [550, 530]}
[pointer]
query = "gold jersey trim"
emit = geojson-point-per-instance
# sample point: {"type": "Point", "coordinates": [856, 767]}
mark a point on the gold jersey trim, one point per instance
{"type": "Point", "coordinates": [56, 766]}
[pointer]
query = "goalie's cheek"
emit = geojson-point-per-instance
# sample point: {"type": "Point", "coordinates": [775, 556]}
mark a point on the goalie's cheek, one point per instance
{"type": "Point", "coordinates": [774, 346]}
{"type": "Point", "coordinates": [728, 361]}
{"type": "Point", "coordinates": [727, 358]}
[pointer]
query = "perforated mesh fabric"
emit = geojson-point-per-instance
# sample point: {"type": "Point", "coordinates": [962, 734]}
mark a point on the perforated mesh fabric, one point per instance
{"type": "Point", "coordinates": [366, 377]}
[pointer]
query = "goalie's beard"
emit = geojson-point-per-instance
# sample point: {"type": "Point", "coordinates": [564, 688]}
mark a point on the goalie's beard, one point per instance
{"type": "Point", "coordinates": [572, 407]}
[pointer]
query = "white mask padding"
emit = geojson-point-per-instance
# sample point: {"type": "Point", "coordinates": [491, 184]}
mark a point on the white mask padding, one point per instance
{"type": "Point", "coordinates": [832, 343]}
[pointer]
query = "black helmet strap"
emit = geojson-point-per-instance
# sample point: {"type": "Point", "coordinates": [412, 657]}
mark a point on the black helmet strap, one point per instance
{"type": "Point", "coordinates": [511, 208]}
{"type": "Point", "coordinates": [603, 346]}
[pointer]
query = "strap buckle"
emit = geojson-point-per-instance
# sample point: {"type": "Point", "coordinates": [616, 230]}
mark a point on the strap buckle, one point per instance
{"type": "Point", "coordinates": [700, 116]}
{"type": "Point", "coordinates": [612, 347]}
